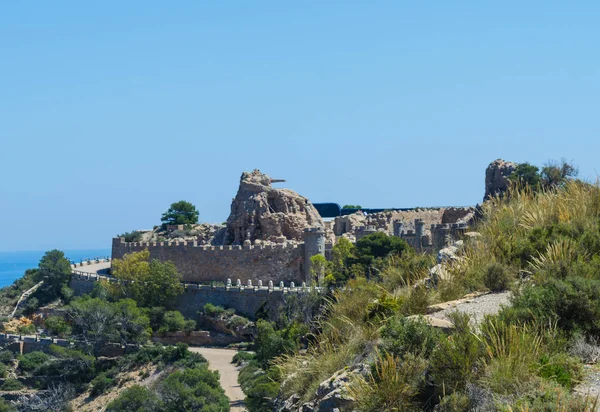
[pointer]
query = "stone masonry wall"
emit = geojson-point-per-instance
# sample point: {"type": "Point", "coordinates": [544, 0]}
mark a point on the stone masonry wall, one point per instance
{"type": "Point", "coordinates": [246, 300]}
{"type": "Point", "coordinates": [218, 263]}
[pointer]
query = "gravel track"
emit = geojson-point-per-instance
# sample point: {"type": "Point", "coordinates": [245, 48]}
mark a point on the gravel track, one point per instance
{"type": "Point", "coordinates": [477, 307]}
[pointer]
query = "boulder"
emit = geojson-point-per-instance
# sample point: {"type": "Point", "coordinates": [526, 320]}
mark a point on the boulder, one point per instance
{"type": "Point", "coordinates": [496, 177]}
{"type": "Point", "coordinates": [261, 212]}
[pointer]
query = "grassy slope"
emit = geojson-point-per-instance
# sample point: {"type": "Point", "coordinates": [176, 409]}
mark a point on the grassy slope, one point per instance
{"type": "Point", "coordinates": [519, 359]}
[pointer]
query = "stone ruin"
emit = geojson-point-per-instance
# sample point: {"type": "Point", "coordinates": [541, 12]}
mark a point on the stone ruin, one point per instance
{"type": "Point", "coordinates": [497, 177]}
{"type": "Point", "coordinates": [272, 233]}
{"type": "Point", "coordinates": [424, 224]}
{"type": "Point", "coordinates": [262, 213]}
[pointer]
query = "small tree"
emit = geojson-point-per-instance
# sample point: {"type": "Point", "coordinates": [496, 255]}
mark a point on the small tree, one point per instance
{"type": "Point", "coordinates": [181, 213]}
{"type": "Point", "coordinates": [556, 174]}
{"type": "Point", "coordinates": [319, 268]}
{"type": "Point", "coordinates": [132, 325]}
{"type": "Point", "coordinates": [136, 398]}
{"type": "Point", "coordinates": [341, 254]}
{"type": "Point", "coordinates": [526, 174]}
{"type": "Point", "coordinates": [55, 271]}
{"type": "Point", "coordinates": [378, 245]}
{"type": "Point", "coordinates": [150, 283]}
{"type": "Point", "coordinates": [193, 389]}
{"type": "Point", "coordinates": [93, 321]}
{"type": "Point", "coordinates": [352, 207]}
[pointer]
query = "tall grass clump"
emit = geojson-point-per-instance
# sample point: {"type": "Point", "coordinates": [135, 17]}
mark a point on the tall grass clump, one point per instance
{"type": "Point", "coordinates": [530, 233]}
{"type": "Point", "coordinates": [392, 385]}
{"type": "Point", "coordinates": [346, 334]}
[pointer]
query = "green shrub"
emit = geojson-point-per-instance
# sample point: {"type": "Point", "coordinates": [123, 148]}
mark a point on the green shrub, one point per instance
{"type": "Point", "coordinates": [401, 335]}
{"type": "Point", "coordinates": [561, 368]}
{"type": "Point", "coordinates": [7, 356]}
{"type": "Point", "coordinates": [5, 406]}
{"type": "Point", "coordinates": [496, 277]}
{"type": "Point", "coordinates": [32, 360]}
{"type": "Point", "coordinates": [393, 385]}
{"type": "Point", "coordinates": [573, 302]}
{"type": "Point", "coordinates": [212, 310]}
{"type": "Point", "coordinates": [270, 343]}
{"type": "Point", "coordinates": [260, 386]}
{"type": "Point", "coordinates": [377, 245]}
{"type": "Point", "coordinates": [242, 357]}
{"type": "Point", "coordinates": [101, 384]}
{"type": "Point", "coordinates": [136, 398]}
{"type": "Point", "coordinates": [70, 364]}
{"type": "Point", "coordinates": [57, 326]}
{"type": "Point", "coordinates": [189, 326]}
{"type": "Point", "coordinates": [135, 236]}
{"type": "Point", "coordinates": [173, 321]}
{"type": "Point", "coordinates": [453, 362]}
{"type": "Point", "coordinates": [3, 369]}
{"type": "Point", "coordinates": [11, 385]}
{"type": "Point", "coordinates": [193, 389]}
{"type": "Point", "coordinates": [237, 322]}
{"type": "Point", "coordinates": [26, 329]}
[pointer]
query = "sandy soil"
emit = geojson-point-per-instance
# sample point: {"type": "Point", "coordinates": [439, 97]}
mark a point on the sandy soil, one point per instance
{"type": "Point", "coordinates": [85, 403]}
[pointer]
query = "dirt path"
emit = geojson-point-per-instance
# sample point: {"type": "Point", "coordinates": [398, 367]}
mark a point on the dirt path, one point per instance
{"type": "Point", "coordinates": [220, 360]}
{"type": "Point", "coordinates": [24, 297]}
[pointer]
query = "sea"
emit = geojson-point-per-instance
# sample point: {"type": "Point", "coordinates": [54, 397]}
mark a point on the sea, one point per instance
{"type": "Point", "coordinates": [14, 264]}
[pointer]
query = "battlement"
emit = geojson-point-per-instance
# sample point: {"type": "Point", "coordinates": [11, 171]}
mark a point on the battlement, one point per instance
{"type": "Point", "coordinates": [201, 263]}
{"type": "Point", "coordinates": [268, 286]}
{"type": "Point", "coordinates": [120, 242]}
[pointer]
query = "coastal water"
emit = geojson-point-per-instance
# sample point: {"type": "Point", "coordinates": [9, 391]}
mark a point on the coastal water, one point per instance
{"type": "Point", "coordinates": [14, 264]}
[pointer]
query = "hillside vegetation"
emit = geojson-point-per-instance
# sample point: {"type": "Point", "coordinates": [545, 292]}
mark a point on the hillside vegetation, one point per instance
{"type": "Point", "coordinates": [541, 242]}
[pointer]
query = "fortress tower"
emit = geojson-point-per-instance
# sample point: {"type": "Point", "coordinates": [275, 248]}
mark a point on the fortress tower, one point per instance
{"type": "Point", "coordinates": [419, 233]}
{"type": "Point", "coordinates": [314, 244]}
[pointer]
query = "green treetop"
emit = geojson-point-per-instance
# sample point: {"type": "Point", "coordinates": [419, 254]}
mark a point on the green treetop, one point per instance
{"type": "Point", "coordinates": [181, 213]}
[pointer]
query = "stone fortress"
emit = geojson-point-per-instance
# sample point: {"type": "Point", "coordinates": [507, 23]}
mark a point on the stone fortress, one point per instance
{"type": "Point", "coordinates": [272, 233]}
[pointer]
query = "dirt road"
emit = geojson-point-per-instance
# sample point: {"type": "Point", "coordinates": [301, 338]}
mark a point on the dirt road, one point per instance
{"type": "Point", "coordinates": [220, 360]}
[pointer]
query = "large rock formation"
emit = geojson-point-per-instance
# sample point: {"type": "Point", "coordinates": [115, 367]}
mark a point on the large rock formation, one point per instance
{"type": "Point", "coordinates": [496, 177]}
{"type": "Point", "coordinates": [261, 212]}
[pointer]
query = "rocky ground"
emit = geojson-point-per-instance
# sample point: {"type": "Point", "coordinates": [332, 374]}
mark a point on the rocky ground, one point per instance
{"type": "Point", "coordinates": [144, 376]}
{"type": "Point", "coordinates": [475, 305]}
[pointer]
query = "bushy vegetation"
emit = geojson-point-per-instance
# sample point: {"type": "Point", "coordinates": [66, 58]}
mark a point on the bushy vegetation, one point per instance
{"type": "Point", "coordinates": [55, 270]}
{"type": "Point", "coordinates": [189, 386]}
{"type": "Point", "coordinates": [541, 240]}
{"type": "Point", "coordinates": [96, 322]}
{"type": "Point", "coordinates": [135, 236]}
{"type": "Point", "coordinates": [150, 283]}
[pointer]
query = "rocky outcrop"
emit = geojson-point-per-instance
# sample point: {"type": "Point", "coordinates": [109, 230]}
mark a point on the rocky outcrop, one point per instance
{"type": "Point", "coordinates": [260, 212]}
{"type": "Point", "coordinates": [348, 223]}
{"type": "Point", "coordinates": [332, 394]}
{"type": "Point", "coordinates": [496, 177]}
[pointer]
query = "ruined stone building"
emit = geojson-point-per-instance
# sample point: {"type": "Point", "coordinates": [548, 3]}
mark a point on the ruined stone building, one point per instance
{"type": "Point", "coordinates": [272, 233]}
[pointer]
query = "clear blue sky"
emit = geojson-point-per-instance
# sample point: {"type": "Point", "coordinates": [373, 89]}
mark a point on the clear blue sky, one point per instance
{"type": "Point", "coordinates": [112, 110]}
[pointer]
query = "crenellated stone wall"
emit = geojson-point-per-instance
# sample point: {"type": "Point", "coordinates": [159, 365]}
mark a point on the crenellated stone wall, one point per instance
{"type": "Point", "coordinates": [246, 298]}
{"type": "Point", "coordinates": [276, 262]}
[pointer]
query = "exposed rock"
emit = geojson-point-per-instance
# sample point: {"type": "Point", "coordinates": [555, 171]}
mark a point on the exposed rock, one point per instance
{"type": "Point", "coordinates": [348, 223]}
{"type": "Point", "coordinates": [496, 177]}
{"type": "Point", "coordinates": [262, 212]}
{"type": "Point", "coordinates": [332, 394]}
{"type": "Point", "coordinates": [434, 322]}
{"type": "Point", "coordinates": [458, 215]}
